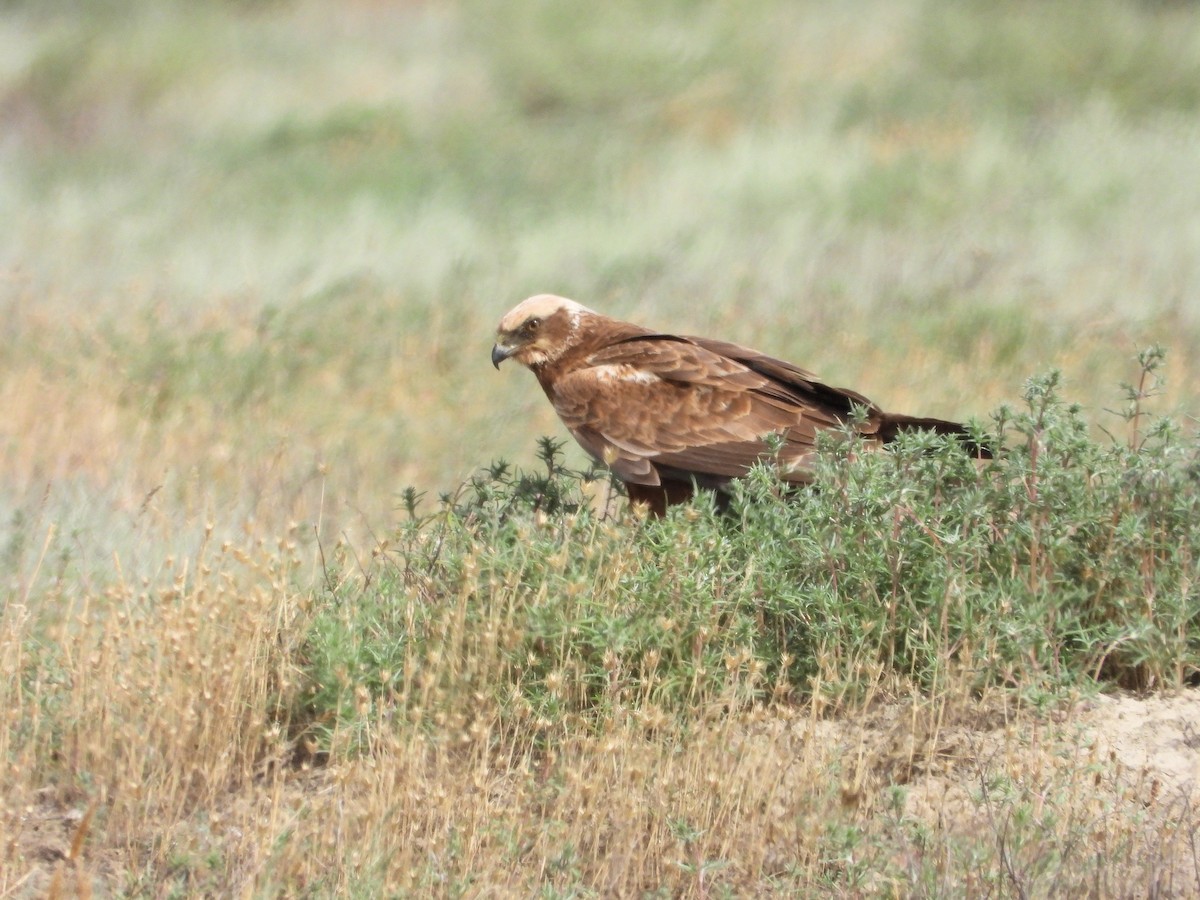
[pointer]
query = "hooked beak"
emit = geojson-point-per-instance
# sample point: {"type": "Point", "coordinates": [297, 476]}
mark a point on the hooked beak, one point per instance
{"type": "Point", "coordinates": [500, 353]}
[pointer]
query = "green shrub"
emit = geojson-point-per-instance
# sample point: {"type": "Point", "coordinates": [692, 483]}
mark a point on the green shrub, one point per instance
{"type": "Point", "coordinates": [522, 602]}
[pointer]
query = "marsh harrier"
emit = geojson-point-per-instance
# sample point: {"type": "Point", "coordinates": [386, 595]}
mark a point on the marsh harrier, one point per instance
{"type": "Point", "coordinates": [669, 413]}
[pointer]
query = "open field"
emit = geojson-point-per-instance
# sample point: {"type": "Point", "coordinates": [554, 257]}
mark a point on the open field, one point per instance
{"type": "Point", "coordinates": [251, 257]}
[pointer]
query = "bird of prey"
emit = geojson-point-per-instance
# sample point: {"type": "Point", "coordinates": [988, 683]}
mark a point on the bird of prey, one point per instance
{"type": "Point", "coordinates": [670, 413]}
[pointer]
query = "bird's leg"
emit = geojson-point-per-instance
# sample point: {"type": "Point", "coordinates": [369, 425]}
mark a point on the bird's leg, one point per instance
{"type": "Point", "coordinates": [653, 497]}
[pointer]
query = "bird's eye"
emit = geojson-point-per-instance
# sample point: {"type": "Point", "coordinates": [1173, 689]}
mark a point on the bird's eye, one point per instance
{"type": "Point", "coordinates": [533, 325]}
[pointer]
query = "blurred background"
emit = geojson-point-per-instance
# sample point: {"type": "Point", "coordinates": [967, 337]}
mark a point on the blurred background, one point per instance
{"type": "Point", "coordinates": [252, 253]}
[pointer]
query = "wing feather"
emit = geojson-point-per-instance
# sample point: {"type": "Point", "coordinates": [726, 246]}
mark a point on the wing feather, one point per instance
{"type": "Point", "coordinates": [653, 404]}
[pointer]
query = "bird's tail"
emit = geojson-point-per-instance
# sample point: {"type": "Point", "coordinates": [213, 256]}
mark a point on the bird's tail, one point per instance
{"type": "Point", "coordinates": [894, 425]}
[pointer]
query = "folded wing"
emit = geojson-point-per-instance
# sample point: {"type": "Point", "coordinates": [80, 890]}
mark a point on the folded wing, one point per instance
{"type": "Point", "coordinates": [656, 407]}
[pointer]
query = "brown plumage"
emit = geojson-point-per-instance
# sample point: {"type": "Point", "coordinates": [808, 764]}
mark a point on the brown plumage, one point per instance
{"type": "Point", "coordinates": [667, 413]}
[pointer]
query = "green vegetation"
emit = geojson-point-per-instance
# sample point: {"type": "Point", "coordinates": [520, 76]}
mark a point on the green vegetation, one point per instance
{"type": "Point", "coordinates": [1065, 561]}
{"type": "Point", "coordinates": [251, 257]}
{"type": "Point", "coordinates": [518, 619]}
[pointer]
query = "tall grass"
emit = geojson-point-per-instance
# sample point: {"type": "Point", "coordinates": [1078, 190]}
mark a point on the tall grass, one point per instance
{"type": "Point", "coordinates": [138, 702]}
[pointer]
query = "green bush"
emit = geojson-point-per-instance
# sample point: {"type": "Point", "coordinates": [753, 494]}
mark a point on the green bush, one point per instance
{"type": "Point", "coordinates": [521, 601]}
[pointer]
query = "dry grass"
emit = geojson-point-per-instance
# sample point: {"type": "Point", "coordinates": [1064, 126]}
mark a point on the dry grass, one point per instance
{"type": "Point", "coordinates": [143, 702]}
{"type": "Point", "coordinates": [146, 755]}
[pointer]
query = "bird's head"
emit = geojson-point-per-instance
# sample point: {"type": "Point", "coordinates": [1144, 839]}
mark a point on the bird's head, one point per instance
{"type": "Point", "coordinates": [538, 330]}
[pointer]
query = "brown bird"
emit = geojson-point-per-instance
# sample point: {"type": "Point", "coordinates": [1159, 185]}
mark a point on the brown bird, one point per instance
{"type": "Point", "coordinates": [669, 413]}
